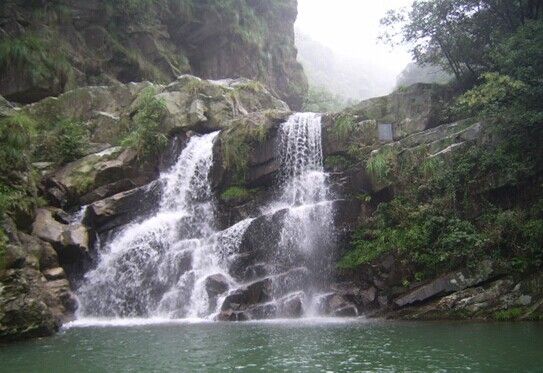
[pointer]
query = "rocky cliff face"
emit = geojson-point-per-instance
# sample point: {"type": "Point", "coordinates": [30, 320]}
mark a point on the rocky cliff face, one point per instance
{"type": "Point", "coordinates": [41, 261]}
{"type": "Point", "coordinates": [44, 259]}
{"type": "Point", "coordinates": [47, 48]}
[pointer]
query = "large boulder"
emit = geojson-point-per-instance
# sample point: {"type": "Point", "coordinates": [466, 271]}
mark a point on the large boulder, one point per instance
{"type": "Point", "coordinates": [98, 176]}
{"type": "Point", "coordinates": [256, 134]}
{"type": "Point", "coordinates": [122, 208]}
{"type": "Point", "coordinates": [72, 242]}
{"type": "Point", "coordinates": [206, 105]}
{"type": "Point", "coordinates": [25, 305]}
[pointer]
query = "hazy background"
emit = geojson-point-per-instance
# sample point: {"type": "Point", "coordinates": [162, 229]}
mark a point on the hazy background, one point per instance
{"type": "Point", "coordinates": [338, 46]}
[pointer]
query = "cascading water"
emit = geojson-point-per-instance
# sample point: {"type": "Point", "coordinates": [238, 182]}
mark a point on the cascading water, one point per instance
{"type": "Point", "coordinates": [174, 264]}
{"type": "Point", "coordinates": [307, 234]}
{"type": "Point", "coordinates": [158, 267]}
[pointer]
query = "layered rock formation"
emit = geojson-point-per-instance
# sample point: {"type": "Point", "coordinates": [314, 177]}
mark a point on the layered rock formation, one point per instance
{"type": "Point", "coordinates": [70, 43]}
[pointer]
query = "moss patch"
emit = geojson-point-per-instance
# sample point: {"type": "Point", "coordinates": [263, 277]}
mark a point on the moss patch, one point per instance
{"type": "Point", "coordinates": [237, 194]}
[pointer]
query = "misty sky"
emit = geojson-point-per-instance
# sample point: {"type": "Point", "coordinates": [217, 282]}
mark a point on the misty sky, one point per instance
{"type": "Point", "coordinates": [351, 27]}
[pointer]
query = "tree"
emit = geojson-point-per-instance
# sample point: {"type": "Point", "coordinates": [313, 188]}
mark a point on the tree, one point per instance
{"type": "Point", "coordinates": [459, 35]}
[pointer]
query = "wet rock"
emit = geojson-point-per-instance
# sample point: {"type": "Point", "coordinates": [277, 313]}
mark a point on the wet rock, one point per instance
{"type": "Point", "coordinates": [123, 207]}
{"type": "Point", "coordinates": [47, 227]}
{"type": "Point", "coordinates": [107, 190]}
{"type": "Point", "coordinates": [338, 305]}
{"type": "Point", "coordinates": [71, 242]}
{"type": "Point", "coordinates": [13, 257]}
{"type": "Point", "coordinates": [259, 244]}
{"type": "Point", "coordinates": [263, 158]}
{"type": "Point", "coordinates": [257, 292]}
{"type": "Point", "coordinates": [264, 311]}
{"type": "Point", "coordinates": [230, 315]}
{"type": "Point", "coordinates": [216, 285]}
{"type": "Point", "coordinates": [291, 306]}
{"type": "Point", "coordinates": [411, 110]}
{"type": "Point", "coordinates": [97, 176]}
{"type": "Point", "coordinates": [60, 289]}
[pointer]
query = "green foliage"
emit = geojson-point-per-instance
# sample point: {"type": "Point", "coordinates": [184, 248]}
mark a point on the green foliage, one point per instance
{"type": "Point", "coordinates": [343, 127]}
{"type": "Point", "coordinates": [34, 54]}
{"type": "Point", "coordinates": [381, 162]}
{"type": "Point", "coordinates": [431, 241]}
{"type": "Point", "coordinates": [517, 236]}
{"type": "Point", "coordinates": [16, 199]}
{"type": "Point", "coordinates": [146, 137]}
{"type": "Point", "coordinates": [237, 194]}
{"type": "Point", "coordinates": [496, 91]}
{"type": "Point", "coordinates": [461, 36]}
{"type": "Point", "coordinates": [17, 133]}
{"type": "Point", "coordinates": [337, 162]}
{"type": "Point", "coordinates": [509, 314]}
{"type": "Point", "coordinates": [63, 141]}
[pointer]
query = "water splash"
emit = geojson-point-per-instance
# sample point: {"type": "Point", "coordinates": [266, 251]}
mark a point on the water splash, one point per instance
{"type": "Point", "coordinates": [158, 267]}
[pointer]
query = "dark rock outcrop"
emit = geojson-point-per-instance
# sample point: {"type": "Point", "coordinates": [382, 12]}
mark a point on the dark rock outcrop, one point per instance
{"type": "Point", "coordinates": [35, 295]}
{"type": "Point", "coordinates": [105, 43]}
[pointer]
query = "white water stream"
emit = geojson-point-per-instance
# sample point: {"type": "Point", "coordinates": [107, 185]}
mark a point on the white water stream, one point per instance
{"type": "Point", "coordinates": [157, 268]}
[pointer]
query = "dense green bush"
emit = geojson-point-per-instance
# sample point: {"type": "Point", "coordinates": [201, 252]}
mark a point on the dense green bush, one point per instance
{"type": "Point", "coordinates": [17, 135]}
{"type": "Point", "coordinates": [432, 242]}
{"type": "Point", "coordinates": [62, 141]}
{"type": "Point", "coordinates": [380, 163]}
{"type": "Point", "coordinates": [146, 136]}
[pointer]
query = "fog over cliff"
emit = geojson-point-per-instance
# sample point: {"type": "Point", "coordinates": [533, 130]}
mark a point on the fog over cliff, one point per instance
{"type": "Point", "coordinates": [338, 46]}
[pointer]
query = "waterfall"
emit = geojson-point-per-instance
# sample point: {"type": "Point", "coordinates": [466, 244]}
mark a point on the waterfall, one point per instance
{"type": "Point", "coordinates": [157, 267]}
{"type": "Point", "coordinates": [307, 231]}
{"type": "Point", "coordinates": [175, 264]}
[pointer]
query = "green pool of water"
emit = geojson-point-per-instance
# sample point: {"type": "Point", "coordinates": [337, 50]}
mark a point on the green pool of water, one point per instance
{"type": "Point", "coordinates": [299, 346]}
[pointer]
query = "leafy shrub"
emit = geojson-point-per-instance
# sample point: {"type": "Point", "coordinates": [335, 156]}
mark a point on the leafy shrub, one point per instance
{"type": "Point", "coordinates": [145, 136]}
{"type": "Point", "coordinates": [380, 163]}
{"type": "Point", "coordinates": [427, 239]}
{"type": "Point", "coordinates": [343, 127]}
{"type": "Point", "coordinates": [17, 133]}
{"type": "Point", "coordinates": [16, 199]}
{"type": "Point", "coordinates": [62, 141]}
